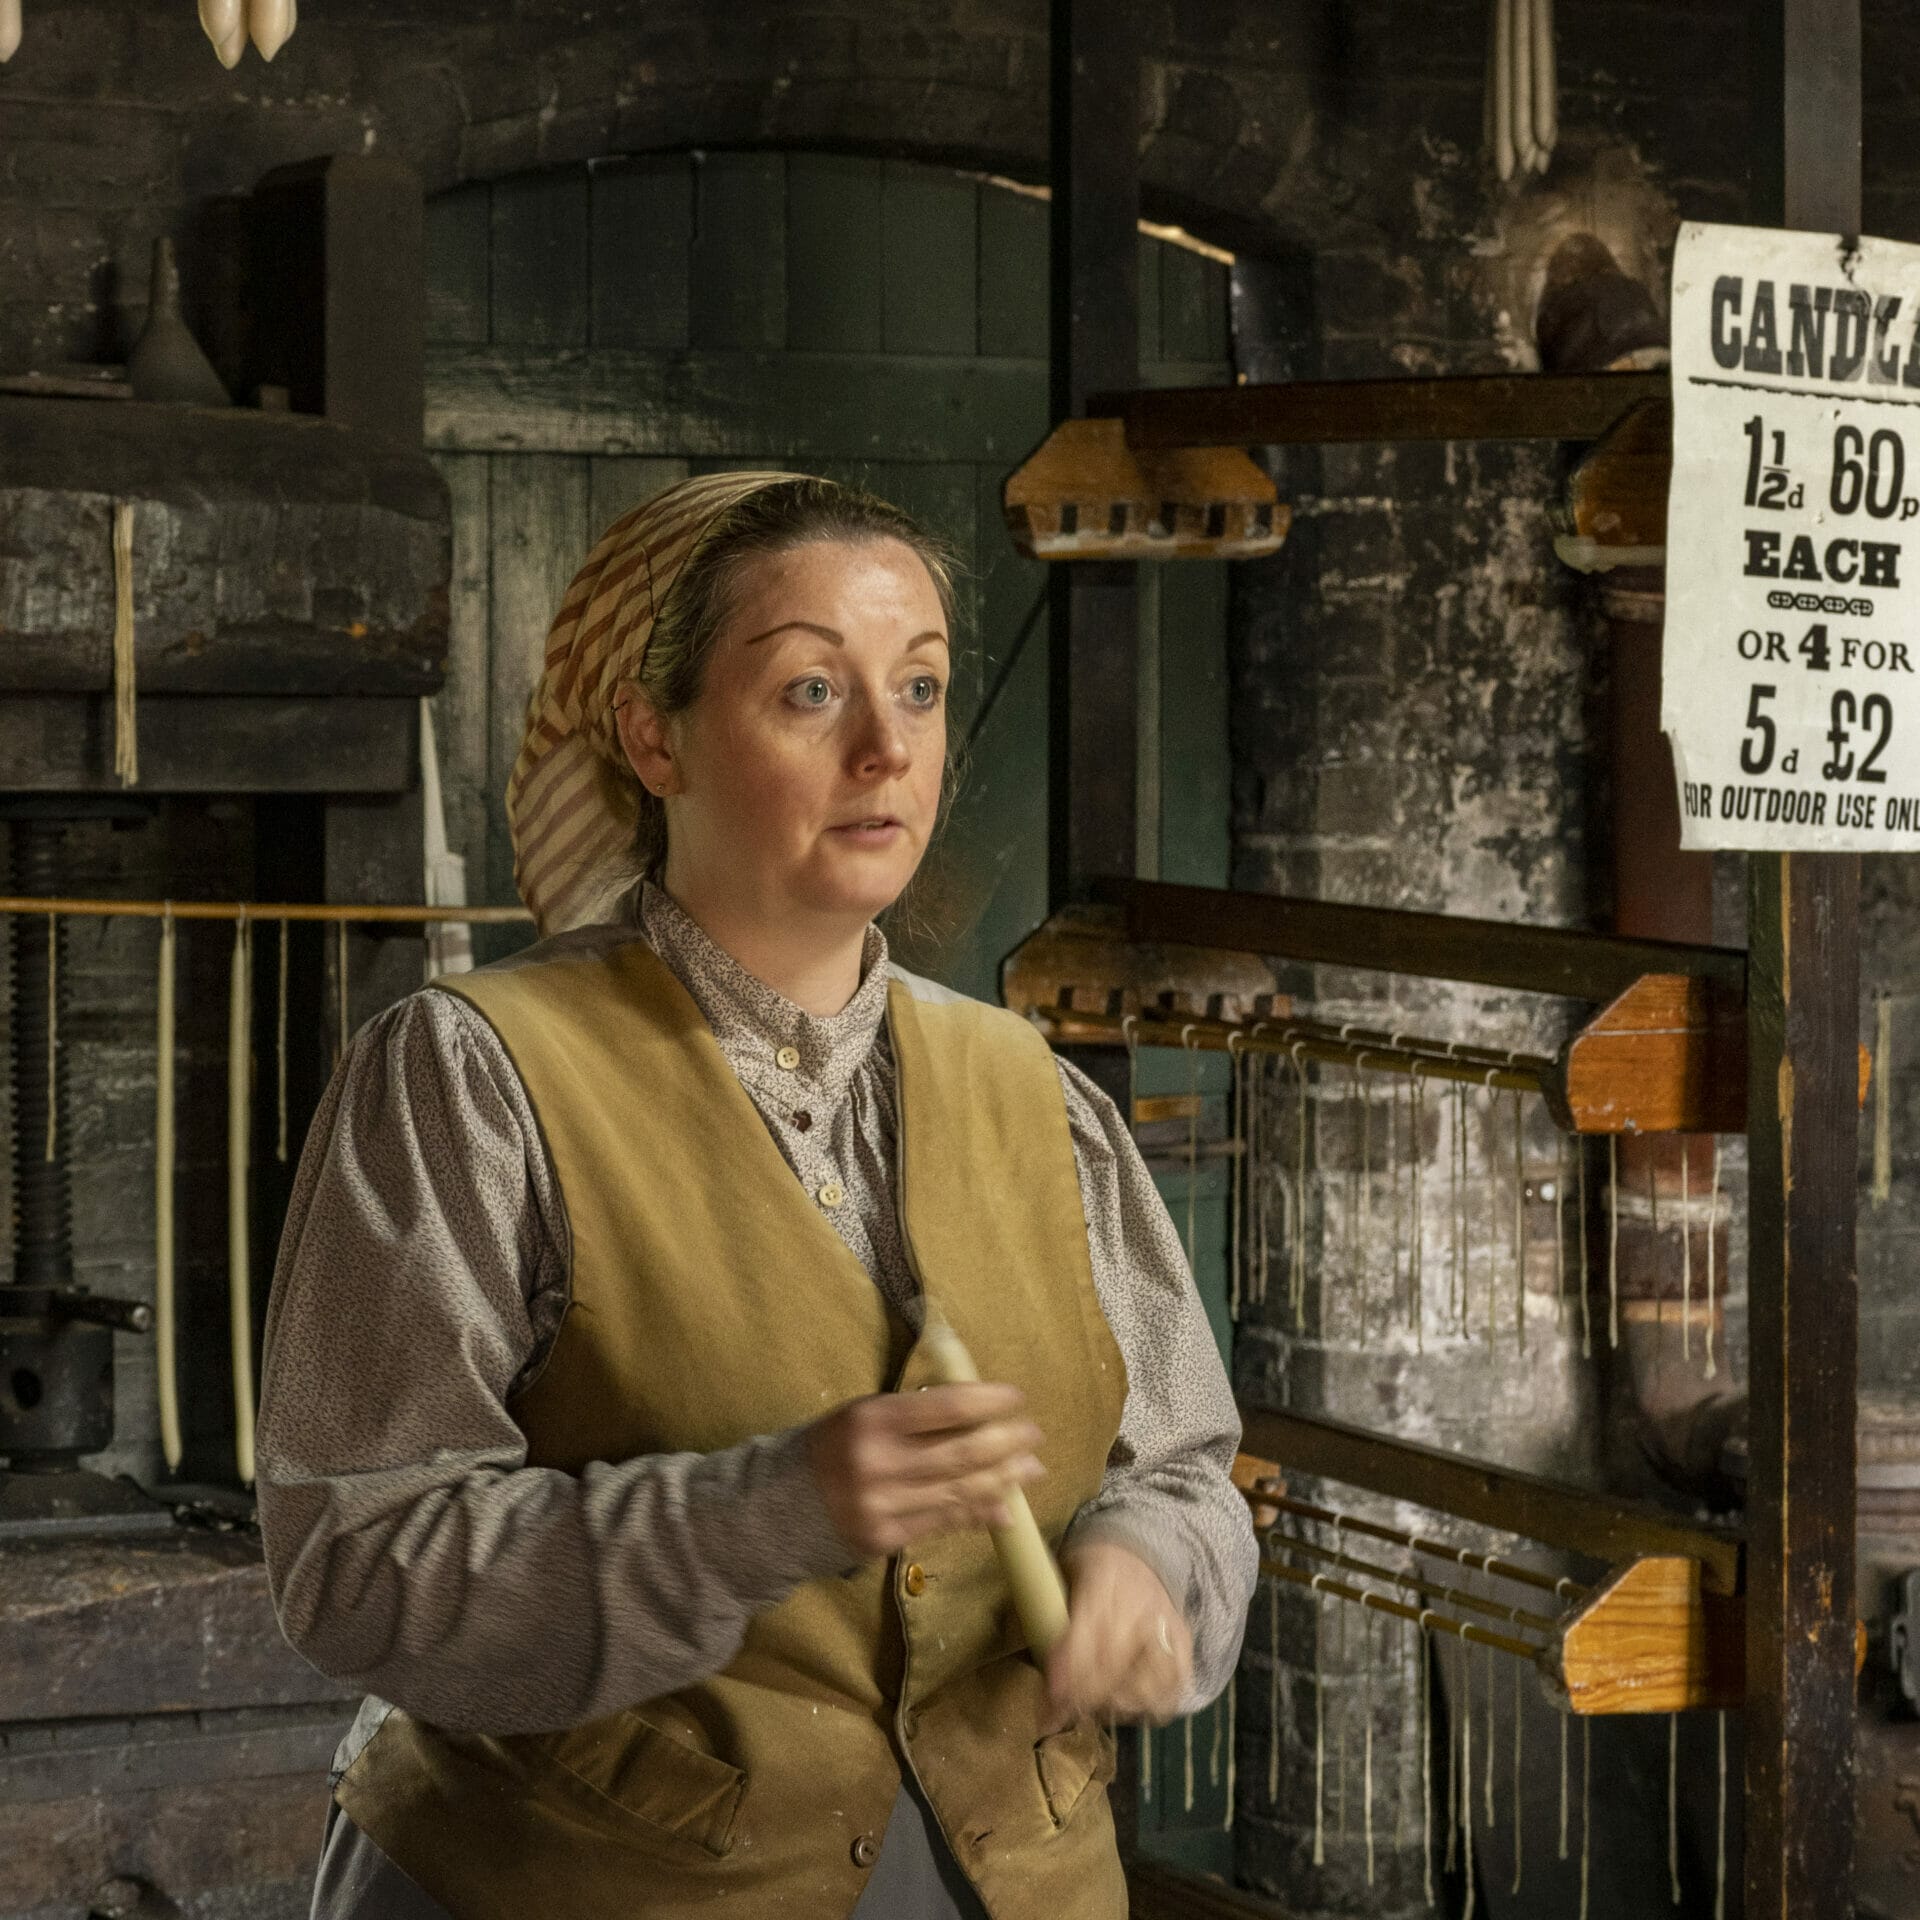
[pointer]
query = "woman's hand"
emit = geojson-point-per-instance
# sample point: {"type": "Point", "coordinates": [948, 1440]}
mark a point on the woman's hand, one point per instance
{"type": "Point", "coordinates": [895, 1468]}
{"type": "Point", "coordinates": [1126, 1653]}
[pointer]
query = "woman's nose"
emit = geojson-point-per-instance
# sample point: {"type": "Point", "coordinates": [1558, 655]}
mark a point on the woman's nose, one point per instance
{"type": "Point", "coordinates": [882, 745]}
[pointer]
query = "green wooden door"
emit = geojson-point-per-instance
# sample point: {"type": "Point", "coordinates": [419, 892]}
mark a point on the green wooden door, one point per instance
{"type": "Point", "coordinates": [597, 332]}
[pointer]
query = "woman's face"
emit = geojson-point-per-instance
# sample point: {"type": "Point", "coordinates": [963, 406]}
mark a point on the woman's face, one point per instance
{"type": "Point", "coordinates": [806, 776]}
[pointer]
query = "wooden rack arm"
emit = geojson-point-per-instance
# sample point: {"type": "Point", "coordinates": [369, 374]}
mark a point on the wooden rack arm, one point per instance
{"type": "Point", "coordinates": [355, 912]}
{"type": "Point", "coordinates": [1496, 406]}
{"type": "Point", "coordinates": [1493, 953]}
{"type": "Point", "coordinates": [1596, 1526]}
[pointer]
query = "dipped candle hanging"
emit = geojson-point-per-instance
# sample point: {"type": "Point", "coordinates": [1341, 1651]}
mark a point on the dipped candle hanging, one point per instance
{"type": "Point", "coordinates": [1673, 1806]}
{"type": "Point", "coordinates": [225, 24]}
{"type": "Point", "coordinates": [270, 25]}
{"type": "Point", "coordinates": [1686, 1256]}
{"type": "Point", "coordinates": [1713, 1227]}
{"type": "Point", "coordinates": [54, 1041]}
{"type": "Point", "coordinates": [280, 1055]}
{"type": "Point", "coordinates": [11, 27]}
{"type": "Point", "coordinates": [1273, 1695]}
{"type": "Point", "coordinates": [1613, 1239]}
{"type": "Point", "coordinates": [164, 1321]}
{"type": "Point", "coordinates": [1586, 1292]}
{"type": "Point", "coordinates": [1519, 1224]}
{"type": "Point", "coordinates": [239, 1130]}
{"type": "Point", "coordinates": [1519, 1704]}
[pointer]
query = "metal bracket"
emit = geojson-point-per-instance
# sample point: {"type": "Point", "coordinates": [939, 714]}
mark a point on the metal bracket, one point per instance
{"type": "Point", "coordinates": [1903, 1637]}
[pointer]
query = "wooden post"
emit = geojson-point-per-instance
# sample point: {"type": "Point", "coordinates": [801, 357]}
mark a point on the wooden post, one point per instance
{"type": "Point", "coordinates": [1803, 985]}
{"type": "Point", "coordinates": [1095, 321]}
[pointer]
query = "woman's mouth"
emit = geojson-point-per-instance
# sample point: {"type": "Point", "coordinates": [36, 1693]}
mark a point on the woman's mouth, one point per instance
{"type": "Point", "coordinates": [878, 831]}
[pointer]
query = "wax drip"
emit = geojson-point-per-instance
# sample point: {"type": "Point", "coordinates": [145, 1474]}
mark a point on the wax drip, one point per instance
{"type": "Point", "coordinates": [1366, 1193]}
{"type": "Point", "coordinates": [1453, 1800]}
{"type": "Point", "coordinates": [1186, 1765]}
{"type": "Point", "coordinates": [1882, 1188]}
{"type": "Point", "coordinates": [1518, 1704]}
{"type": "Point", "coordinates": [340, 975]}
{"type": "Point", "coordinates": [280, 1055]}
{"type": "Point", "coordinates": [165, 1322]}
{"type": "Point", "coordinates": [1653, 1217]}
{"type": "Point", "coordinates": [1426, 1760]}
{"type": "Point", "coordinates": [1408, 1705]}
{"type": "Point", "coordinates": [1355, 1276]}
{"type": "Point", "coordinates": [1343, 1667]}
{"type": "Point", "coordinates": [1237, 1069]}
{"type": "Point", "coordinates": [1233, 1701]}
{"type": "Point", "coordinates": [1416, 1240]}
{"type": "Point", "coordinates": [1394, 1204]}
{"type": "Point", "coordinates": [1586, 1812]}
{"type": "Point", "coordinates": [1686, 1256]}
{"type": "Point", "coordinates": [1713, 1224]}
{"type": "Point", "coordinates": [1319, 1725]}
{"type": "Point", "coordinates": [1273, 1698]}
{"type": "Point", "coordinates": [1213, 1752]}
{"type": "Point", "coordinates": [1586, 1278]}
{"type": "Point", "coordinates": [1493, 1816]}
{"type": "Point", "coordinates": [1519, 1226]}
{"type": "Point", "coordinates": [1366, 1774]}
{"type": "Point", "coordinates": [1261, 1174]}
{"type": "Point", "coordinates": [1673, 1805]}
{"type": "Point", "coordinates": [1193, 1136]}
{"type": "Point", "coordinates": [1300, 1205]}
{"type": "Point", "coordinates": [54, 1042]}
{"type": "Point", "coordinates": [1720, 1838]}
{"type": "Point", "coordinates": [1613, 1239]}
{"type": "Point", "coordinates": [1493, 1218]}
{"type": "Point", "coordinates": [1559, 1232]}
{"type": "Point", "coordinates": [1466, 1781]}
{"type": "Point", "coordinates": [1456, 1284]}
{"type": "Point", "coordinates": [1565, 1717]}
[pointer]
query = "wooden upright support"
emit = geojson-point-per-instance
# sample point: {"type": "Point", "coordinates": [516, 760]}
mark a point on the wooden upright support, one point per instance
{"type": "Point", "coordinates": [1803, 984]}
{"type": "Point", "coordinates": [1096, 213]}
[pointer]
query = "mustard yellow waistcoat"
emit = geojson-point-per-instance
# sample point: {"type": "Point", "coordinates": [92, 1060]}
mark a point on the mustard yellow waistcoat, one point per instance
{"type": "Point", "coordinates": [710, 1301]}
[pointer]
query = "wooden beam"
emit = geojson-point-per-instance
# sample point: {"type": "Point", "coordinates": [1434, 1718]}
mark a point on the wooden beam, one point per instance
{"type": "Point", "coordinates": [717, 405]}
{"type": "Point", "coordinates": [220, 743]}
{"type": "Point", "coordinates": [1594, 1525]}
{"type": "Point", "coordinates": [1494, 953]}
{"type": "Point", "coordinates": [1802, 1143]}
{"type": "Point", "coordinates": [1093, 640]}
{"type": "Point", "coordinates": [1492, 406]}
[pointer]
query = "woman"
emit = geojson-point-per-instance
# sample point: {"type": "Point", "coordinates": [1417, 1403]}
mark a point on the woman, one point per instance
{"type": "Point", "coordinates": [576, 1444]}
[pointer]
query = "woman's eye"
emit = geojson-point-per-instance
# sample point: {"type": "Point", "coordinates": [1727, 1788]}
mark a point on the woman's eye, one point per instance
{"type": "Point", "coordinates": [813, 693]}
{"type": "Point", "coordinates": [925, 689]}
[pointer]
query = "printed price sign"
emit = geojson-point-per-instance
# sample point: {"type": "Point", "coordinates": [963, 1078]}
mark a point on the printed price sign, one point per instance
{"type": "Point", "coordinates": [1788, 685]}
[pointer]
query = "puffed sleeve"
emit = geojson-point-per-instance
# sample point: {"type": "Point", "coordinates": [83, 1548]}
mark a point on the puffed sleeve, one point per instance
{"type": "Point", "coordinates": [411, 1549]}
{"type": "Point", "coordinates": [1168, 1492]}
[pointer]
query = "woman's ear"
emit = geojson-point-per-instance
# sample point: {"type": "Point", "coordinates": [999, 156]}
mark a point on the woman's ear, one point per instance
{"type": "Point", "coordinates": [647, 742]}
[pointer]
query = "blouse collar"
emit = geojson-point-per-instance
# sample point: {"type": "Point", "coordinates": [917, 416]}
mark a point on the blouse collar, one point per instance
{"type": "Point", "coordinates": [768, 1041]}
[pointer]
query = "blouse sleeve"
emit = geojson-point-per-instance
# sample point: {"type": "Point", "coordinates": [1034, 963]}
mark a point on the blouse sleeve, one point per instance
{"type": "Point", "coordinates": [1168, 1492]}
{"type": "Point", "coordinates": [411, 1549]}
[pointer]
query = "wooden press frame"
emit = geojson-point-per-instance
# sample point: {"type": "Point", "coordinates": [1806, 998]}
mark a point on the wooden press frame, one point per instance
{"type": "Point", "coordinates": [1801, 972]}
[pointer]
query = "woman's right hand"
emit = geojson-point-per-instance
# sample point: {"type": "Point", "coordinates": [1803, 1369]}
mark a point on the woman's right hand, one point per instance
{"type": "Point", "coordinates": [895, 1468]}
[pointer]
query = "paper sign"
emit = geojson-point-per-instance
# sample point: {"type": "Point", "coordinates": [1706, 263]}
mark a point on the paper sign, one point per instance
{"type": "Point", "coordinates": [1788, 683]}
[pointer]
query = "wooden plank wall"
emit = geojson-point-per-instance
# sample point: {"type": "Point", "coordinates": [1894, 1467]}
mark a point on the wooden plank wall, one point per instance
{"type": "Point", "coordinates": [597, 332]}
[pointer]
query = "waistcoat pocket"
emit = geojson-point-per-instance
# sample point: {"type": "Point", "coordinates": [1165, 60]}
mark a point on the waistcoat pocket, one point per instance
{"type": "Point", "coordinates": [1071, 1761]}
{"type": "Point", "coordinates": [643, 1773]}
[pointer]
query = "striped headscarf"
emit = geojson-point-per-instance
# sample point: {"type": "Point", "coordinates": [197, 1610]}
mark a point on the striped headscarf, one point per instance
{"type": "Point", "coordinates": [573, 800]}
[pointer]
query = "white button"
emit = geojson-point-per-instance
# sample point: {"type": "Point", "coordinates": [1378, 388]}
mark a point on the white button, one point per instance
{"type": "Point", "coordinates": [788, 1057]}
{"type": "Point", "coordinates": [832, 1194]}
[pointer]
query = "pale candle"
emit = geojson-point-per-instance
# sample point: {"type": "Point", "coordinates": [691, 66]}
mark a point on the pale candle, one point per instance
{"type": "Point", "coordinates": [163, 1203]}
{"type": "Point", "coordinates": [239, 1130]}
{"type": "Point", "coordinates": [270, 22]}
{"type": "Point", "coordinates": [1039, 1594]}
{"type": "Point", "coordinates": [10, 29]}
{"type": "Point", "coordinates": [225, 24]}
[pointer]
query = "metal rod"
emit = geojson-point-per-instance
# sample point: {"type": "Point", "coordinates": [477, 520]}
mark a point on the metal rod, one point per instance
{"type": "Point", "coordinates": [1424, 1616]}
{"type": "Point", "coordinates": [1433, 1549]}
{"type": "Point", "coordinates": [1431, 1060]}
{"type": "Point", "coordinates": [248, 910]}
{"type": "Point", "coordinates": [1389, 1576]}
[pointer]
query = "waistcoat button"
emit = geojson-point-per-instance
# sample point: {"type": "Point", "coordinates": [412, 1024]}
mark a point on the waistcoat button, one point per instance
{"type": "Point", "coordinates": [865, 1853]}
{"type": "Point", "coordinates": [916, 1579]}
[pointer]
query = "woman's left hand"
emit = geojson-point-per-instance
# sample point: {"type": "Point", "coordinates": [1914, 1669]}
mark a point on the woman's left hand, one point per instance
{"type": "Point", "coordinates": [1126, 1653]}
